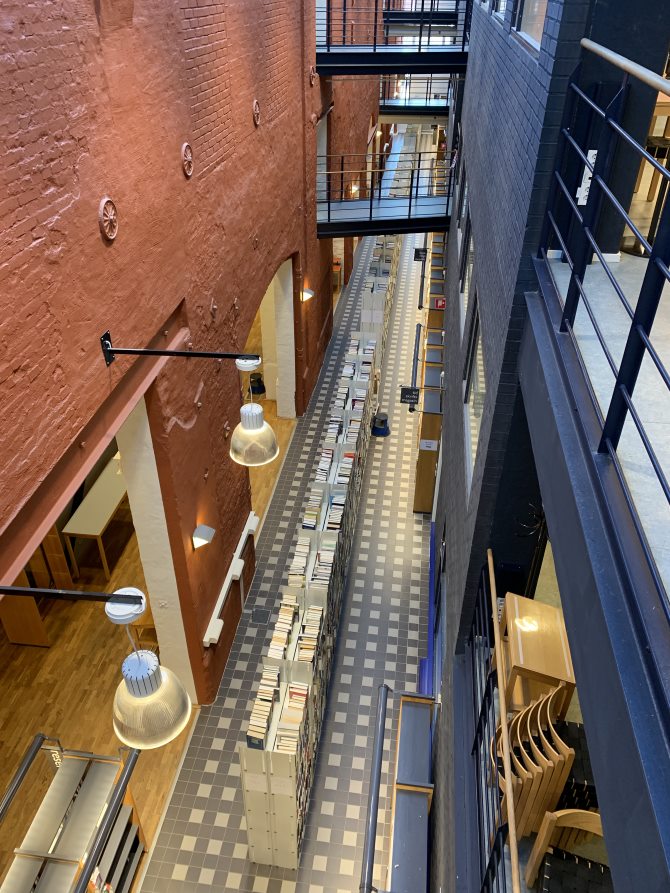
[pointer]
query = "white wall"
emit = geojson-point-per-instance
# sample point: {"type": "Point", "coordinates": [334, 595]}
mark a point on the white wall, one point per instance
{"type": "Point", "coordinates": [138, 465]}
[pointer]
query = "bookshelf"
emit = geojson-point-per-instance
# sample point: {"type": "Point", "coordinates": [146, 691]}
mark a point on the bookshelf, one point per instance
{"type": "Point", "coordinates": [431, 371]}
{"type": "Point", "coordinates": [278, 758]}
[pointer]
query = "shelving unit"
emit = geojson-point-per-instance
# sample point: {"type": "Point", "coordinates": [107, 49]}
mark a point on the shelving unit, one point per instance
{"type": "Point", "coordinates": [54, 849]}
{"type": "Point", "coordinates": [431, 377]}
{"type": "Point", "coordinates": [276, 784]}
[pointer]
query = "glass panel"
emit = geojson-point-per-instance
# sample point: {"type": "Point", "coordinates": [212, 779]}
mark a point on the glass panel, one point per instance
{"type": "Point", "coordinates": [532, 19]}
{"type": "Point", "coordinates": [476, 394]}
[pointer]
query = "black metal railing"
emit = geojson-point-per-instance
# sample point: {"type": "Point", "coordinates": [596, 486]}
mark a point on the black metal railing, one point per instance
{"type": "Point", "coordinates": [492, 795]}
{"type": "Point", "coordinates": [411, 184]}
{"type": "Point", "coordinates": [378, 24]}
{"type": "Point", "coordinates": [418, 90]}
{"type": "Point", "coordinates": [609, 309]}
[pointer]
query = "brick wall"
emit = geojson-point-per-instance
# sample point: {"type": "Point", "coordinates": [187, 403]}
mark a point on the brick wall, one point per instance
{"type": "Point", "coordinates": [511, 115]}
{"type": "Point", "coordinates": [95, 99]}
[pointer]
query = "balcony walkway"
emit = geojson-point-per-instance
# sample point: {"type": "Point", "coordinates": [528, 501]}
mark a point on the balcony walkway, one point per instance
{"type": "Point", "coordinates": [365, 59]}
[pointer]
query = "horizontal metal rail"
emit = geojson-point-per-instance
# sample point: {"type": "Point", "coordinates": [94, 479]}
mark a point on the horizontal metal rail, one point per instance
{"type": "Point", "coordinates": [575, 228]}
{"type": "Point", "coordinates": [21, 772]}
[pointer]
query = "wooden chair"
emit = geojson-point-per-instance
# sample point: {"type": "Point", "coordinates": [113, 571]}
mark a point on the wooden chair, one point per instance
{"type": "Point", "coordinates": [579, 819]}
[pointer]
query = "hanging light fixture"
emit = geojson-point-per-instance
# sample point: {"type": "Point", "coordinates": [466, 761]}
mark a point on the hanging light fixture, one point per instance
{"type": "Point", "coordinates": [151, 706]}
{"type": "Point", "coordinates": [253, 441]}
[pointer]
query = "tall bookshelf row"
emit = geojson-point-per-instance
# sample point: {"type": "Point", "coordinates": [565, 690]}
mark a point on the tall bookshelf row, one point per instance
{"type": "Point", "coordinates": [278, 758]}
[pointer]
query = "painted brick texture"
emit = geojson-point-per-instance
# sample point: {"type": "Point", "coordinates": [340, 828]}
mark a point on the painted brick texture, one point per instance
{"type": "Point", "coordinates": [95, 99]}
{"type": "Point", "coordinates": [511, 115]}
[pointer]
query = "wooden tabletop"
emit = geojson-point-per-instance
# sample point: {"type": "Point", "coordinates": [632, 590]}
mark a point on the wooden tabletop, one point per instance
{"type": "Point", "coordinates": [538, 642]}
{"type": "Point", "coordinates": [100, 503]}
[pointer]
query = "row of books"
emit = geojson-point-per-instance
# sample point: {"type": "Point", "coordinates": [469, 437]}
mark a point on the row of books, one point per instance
{"type": "Point", "coordinates": [341, 397]}
{"type": "Point", "coordinates": [323, 566]}
{"type": "Point", "coordinates": [353, 430]}
{"type": "Point", "coordinates": [291, 718]}
{"type": "Point", "coordinates": [310, 518]}
{"type": "Point", "coordinates": [354, 345]}
{"type": "Point", "coordinates": [333, 429]}
{"type": "Point", "coordinates": [308, 640]}
{"type": "Point", "coordinates": [282, 631]}
{"type": "Point", "coordinates": [358, 398]}
{"type": "Point", "coordinates": [349, 370]}
{"type": "Point", "coordinates": [325, 461]}
{"type": "Point", "coordinates": [261, 712]}
{"type": "Point", "coordinates": [298, 566]}
{"type": "Point", "coordinates": [345, 468]}
{"type": "Point", "coordinates": [335, 511]}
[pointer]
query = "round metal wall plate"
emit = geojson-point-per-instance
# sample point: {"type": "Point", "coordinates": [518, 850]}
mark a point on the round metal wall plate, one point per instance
{"type": "Point", "coordinates": [187, 160]}
{"type": "Point", "coordinates": [108, 218]}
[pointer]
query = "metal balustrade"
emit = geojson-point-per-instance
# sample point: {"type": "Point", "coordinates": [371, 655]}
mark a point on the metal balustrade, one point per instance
{"type": "Point", "coordinates": [352, 34]}
{"type": "Point", "coordinates": [496, 828]}
{"type": "Point", "coordinates": [617, 313]}
{"type": "Point", "coordinates": [416, 94]}
{"type": "Point", "coordinates": [405, 192]}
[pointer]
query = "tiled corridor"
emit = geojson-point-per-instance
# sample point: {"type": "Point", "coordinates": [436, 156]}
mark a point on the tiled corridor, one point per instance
{"type": "Point", "coordinates": [202, 843]}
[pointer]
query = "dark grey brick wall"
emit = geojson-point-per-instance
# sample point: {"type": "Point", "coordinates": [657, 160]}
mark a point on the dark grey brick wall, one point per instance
{"type": "Point", "coordinates": [511, 118]}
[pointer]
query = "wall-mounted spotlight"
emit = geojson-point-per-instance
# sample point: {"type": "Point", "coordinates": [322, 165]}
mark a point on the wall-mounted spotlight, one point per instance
{"type": "Point", "coordinates": [202, 535]}
{"type": "Point", "coordinates": [306, 295]}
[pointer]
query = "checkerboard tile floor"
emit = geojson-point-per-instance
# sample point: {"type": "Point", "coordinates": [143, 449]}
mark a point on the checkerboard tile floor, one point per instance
{"type": "Point", "coordinates": [202, 843]}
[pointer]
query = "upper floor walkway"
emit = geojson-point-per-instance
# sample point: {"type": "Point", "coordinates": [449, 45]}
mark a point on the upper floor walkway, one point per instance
{"type": "Point", "coordinates": [392, 36]}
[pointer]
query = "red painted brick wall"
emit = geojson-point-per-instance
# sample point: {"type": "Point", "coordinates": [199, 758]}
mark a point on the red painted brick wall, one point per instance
{"type": "Point", "coordinates": [97, 98]}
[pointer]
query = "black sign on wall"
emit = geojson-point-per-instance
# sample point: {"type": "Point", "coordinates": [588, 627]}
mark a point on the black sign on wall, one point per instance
{"type": "Point", "coordinates": [420, 253]}
{"type": "Point", "coordinates": [409, 395]}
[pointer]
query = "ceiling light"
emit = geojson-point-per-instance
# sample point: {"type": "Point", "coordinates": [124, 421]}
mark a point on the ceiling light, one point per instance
{"type": "Point", "coordinates": [253, 441]}
{"type": "Point", "coordinates": [202, 535]}
{"type": "Point", "coordinates": [307, 295]}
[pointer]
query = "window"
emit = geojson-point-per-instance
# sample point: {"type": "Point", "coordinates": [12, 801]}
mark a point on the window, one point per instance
{"type": "Point", "coordinates": [462, 196]}
{"type": "Point", "coordinates": [467, 260]}
{"type": "Point", "coordinates": [474, 391]}
{"type": "Point", "coordinates": [529, 19]}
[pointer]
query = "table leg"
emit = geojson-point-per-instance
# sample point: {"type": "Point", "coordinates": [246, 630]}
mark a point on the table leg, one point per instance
{"type": "Point", "coordinates": [75, 567]}
{"type": "Point", "coordinates": [103, 557]}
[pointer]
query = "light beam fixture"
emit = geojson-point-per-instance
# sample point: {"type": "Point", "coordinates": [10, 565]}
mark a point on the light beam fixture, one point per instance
{"type": "Point", "coordinates": [151, 706]}
{"type": "Point", "coordinates": [202, 535]}
{"type": "Point", "coordinates": [306, 295]}
{"type": "Point", "coordinates": [253, 441]}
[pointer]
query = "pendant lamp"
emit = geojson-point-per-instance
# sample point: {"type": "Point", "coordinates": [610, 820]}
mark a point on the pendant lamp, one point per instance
{"type": "Point", "coordinates": [151, 706]}
{"type": "Point", "coordinates": [253, 442]}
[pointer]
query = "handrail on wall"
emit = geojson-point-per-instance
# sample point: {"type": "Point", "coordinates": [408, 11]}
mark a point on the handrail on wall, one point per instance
{"type": "Point", "coordinates": [215, 625]}
{"type": "Point", "coordinates": [504, 731]}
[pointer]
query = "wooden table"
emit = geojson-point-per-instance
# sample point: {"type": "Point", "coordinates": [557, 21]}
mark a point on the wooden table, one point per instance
{"type": "Point", "coordinates": [96, 511]}
{"type": "Point", "coordinates": [537, 654]}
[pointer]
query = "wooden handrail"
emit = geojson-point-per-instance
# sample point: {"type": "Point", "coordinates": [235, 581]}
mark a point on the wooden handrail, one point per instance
{"type": "Point", "coordinates": [502, 703]}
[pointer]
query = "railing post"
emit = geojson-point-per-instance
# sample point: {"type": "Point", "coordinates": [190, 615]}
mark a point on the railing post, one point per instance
{"type": "Point", "coordinates": [411, 190]}
{"type": "Point", "coordinates": [374, 38]}
{"type": "Point", "coordinates": [602, 167]}
{"type": "Point", "coordinates": [368, 866]}
{"type": "Point", "coordinates": [342, 178]}
{"type": "Point", "coordinates": [421, 25]}
{"type": "Point", "coordinates": [328, 13]}
{"type": "Point", "coordinates": [328, 188]}
{"type": "Point", "coordinates": [418, 176]}
{"type": "Point", "coordinates": [371, 190]}
{"type": "Point", "coordinates": [643, 319]}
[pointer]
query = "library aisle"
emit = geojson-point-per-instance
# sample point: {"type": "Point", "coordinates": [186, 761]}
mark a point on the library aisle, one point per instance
{"type": "Point", "coordinates": [202, 842]}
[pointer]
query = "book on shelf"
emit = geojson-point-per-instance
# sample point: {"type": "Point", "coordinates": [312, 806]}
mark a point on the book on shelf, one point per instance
{"type": "Point", "coordinates": [325, 461]}
{"type": "Point", "coordinates": [348, 370]}
{"type": "Point", "coordinates": [298, 566]}
{"type": "Point", "coordinates": [345, 468]}
{"type": "Point", "coordinates": [341, 397]}
{"type": "Point", "coordinates": [310, 518]}
{"type": "Point", "coordinates": [261, 711]}
{"type": "Point", "coordinates": [333, 429]}
{"type": "Point", "coordinates": [335, 511]}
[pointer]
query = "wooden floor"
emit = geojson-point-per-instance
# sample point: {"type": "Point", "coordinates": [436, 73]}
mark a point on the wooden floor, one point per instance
{"type": "Point", "coordinates": [66, 691]}
{"type": "Point", "coordinates": [263, 479]}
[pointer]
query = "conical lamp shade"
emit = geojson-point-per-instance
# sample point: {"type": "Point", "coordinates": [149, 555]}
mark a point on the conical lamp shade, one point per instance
{"type": "Point", "coordinates": [151, 706]}
{"type": "Point", "coordinates": [253, 441]}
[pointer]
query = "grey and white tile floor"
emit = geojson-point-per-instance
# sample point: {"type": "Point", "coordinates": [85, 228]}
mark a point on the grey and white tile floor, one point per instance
{"type": "Point", "coordinates": [202, 841]}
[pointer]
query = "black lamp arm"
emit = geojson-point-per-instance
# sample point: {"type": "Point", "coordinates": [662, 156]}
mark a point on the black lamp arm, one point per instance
{"type": "Point", "coordinates": [73, 595]}
{"type": "Point", "coordinates": [110, 352]}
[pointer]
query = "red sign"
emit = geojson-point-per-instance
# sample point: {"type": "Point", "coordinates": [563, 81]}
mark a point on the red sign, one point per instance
{"type": "Point", "coordinates": [440, 303]}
